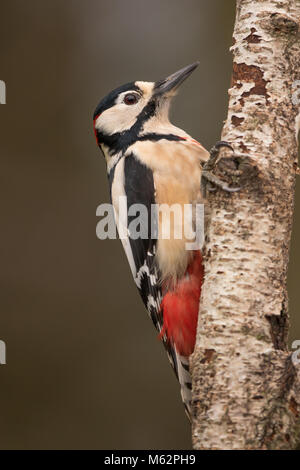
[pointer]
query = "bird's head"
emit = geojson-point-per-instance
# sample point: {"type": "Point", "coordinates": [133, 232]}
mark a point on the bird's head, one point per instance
{"type": "Point", "coordinates": [134, 109]}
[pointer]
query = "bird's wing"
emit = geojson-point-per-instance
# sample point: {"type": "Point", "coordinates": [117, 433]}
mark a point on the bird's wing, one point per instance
{"type": "Point", "coordinates": [131, 184]}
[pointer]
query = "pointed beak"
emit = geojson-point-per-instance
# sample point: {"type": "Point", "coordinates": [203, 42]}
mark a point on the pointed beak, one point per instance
{"type": "Point", "coordinates": [172, 82]}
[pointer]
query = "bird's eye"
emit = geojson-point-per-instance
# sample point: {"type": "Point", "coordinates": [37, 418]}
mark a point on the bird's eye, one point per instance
{"type": "Point", "coordinates": [131, 98]}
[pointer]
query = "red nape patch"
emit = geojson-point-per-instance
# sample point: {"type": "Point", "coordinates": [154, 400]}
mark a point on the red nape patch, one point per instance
{"type": "Point", "coordinates": [180, 308]}
{"type": "Point", "coordinates": [94, 127]}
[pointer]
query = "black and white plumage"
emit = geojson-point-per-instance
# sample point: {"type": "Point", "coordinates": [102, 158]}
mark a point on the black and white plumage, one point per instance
{"type": "Point", "coordinates": [138, 186]}
{"type": "Point", "coordinates": [150, 161]}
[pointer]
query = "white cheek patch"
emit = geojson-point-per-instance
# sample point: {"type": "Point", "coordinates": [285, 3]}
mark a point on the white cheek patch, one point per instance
{"type": "Point", "coordinates": [118, 118]}
{"type": "Point", "coordinates": [121, 117]}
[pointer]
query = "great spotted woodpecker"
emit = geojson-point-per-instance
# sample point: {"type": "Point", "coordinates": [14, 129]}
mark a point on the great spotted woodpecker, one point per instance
{"type": "Point", "coordinates": [150, 161]}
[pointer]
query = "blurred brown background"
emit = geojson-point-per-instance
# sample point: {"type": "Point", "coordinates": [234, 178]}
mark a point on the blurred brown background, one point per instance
{"type": "Point", "coordinates": [84, 368]}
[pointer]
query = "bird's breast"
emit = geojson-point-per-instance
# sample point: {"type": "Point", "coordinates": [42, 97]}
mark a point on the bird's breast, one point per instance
{"type": "Point", "coordinates": [176, 168]}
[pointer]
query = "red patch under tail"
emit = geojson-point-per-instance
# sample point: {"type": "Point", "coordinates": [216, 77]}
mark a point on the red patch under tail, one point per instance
{"type": "Point", "coordinates": [180, 308]}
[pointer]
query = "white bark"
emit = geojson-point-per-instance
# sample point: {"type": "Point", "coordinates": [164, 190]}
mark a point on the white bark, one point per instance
{"type": "Point", "coordinates": [246, 389]}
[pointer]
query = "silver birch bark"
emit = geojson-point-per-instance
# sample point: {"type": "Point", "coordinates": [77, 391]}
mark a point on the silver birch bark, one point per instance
{"type": "Point", "coordinates": [246, 385]}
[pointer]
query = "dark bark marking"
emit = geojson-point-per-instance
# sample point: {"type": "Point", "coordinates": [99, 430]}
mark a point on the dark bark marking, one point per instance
{"type": "Point", "coordinates": [236, 121]}
{"type": "Point", "coordinates": [250, 73]}
{"type": "Point", "coordinates": [208, 355]}
{"type": "Point", "coordinates": [253, 38]}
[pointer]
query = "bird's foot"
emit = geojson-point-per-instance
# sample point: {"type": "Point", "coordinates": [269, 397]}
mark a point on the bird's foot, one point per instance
{"type": "Point", "coordinates": [209, 181]}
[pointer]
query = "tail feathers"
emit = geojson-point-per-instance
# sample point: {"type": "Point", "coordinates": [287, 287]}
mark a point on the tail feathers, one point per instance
{"type": "Point", "coordinates": [185, 380]}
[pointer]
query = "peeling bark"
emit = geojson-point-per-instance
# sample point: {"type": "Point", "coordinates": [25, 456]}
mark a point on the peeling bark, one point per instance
{"type": "Point", "coordinates": [246, 389]}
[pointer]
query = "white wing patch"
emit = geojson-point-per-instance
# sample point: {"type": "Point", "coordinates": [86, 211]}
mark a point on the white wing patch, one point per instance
{"type": "Point", "coordinates": [117, 192]}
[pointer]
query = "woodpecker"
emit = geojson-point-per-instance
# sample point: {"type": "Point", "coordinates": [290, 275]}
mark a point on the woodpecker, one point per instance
{"type": "Point", "coordinates": [152, 162]}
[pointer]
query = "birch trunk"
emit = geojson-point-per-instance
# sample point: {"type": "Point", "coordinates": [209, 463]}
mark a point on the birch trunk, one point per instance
{"type": "Point", "coordinates": [246, 387]}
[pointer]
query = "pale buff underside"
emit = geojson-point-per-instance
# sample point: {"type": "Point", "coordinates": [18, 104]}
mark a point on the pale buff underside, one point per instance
{"type": "Point", "coordinates": [177, 174]}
